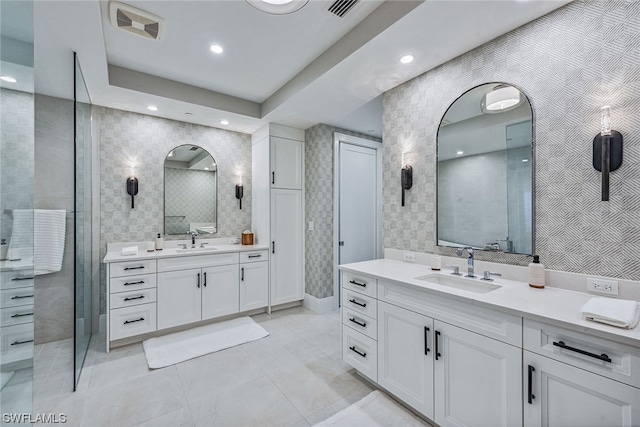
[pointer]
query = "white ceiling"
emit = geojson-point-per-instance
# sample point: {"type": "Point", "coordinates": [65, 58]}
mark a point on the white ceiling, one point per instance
{"type": "Point", "coordinates": [298, 70]}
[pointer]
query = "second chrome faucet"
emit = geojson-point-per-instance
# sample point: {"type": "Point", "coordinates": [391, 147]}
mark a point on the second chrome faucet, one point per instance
{"type": "Point", "coordinates": [459, 252]}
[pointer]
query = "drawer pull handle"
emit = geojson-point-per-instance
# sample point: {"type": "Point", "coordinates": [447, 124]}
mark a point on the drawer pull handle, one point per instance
{"type": "Point", "coordinates": [358, 303]}
{"type": "Point", "coordinates": [242, 274]}
{"type": "Point", "coordinates": [133, 298]}
{"type": "Point", "coordinates": [21, 342]}
{"type": "Point", "coordinates": [134, 283]}
{"type": "Point", "coordinates": [437, 350]}
{"type": "Point", "coordinates": [15, 279]}
{"type": "Point", "coordinates": [126, 322]}
{"type": "Point", "coordinates": [426, 345]}
{"type": "Point", "coordinates": [134, 268]}
{"type": "Point", "coordinates": [205, 280]}
{"type": "Point", "coordinates": [363, 324]}
{"type": "Point", "coordinates": [364, 285]}
{"type": "Point", "coordinates": [530, 396]}
{"type": "Point", "coordinates": [361, 354]}
{"type": "Point", "coordinates": [602, 357]}
{"type": "Point", "coordinates": [22, 296]}
{"type": "Point", "coordinates": [22, 315]}
{"type": "Point", "coordinates": [198, 279]}
{"type": "Point", "coordinates": [255, 256]}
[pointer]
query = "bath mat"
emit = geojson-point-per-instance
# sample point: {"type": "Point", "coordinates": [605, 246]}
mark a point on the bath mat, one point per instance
{"type": "Point", "coordinates": [374, 410]}
{"type": "Point", "coordinates": [180, 346]}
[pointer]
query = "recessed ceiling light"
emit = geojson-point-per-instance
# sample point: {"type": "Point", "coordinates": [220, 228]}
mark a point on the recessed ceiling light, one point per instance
{"type": "Point", "coordinates": [278, 7]}
{"type": "Point", "coordinates": [224, 122]}
{"type": "Point", "coordinates": [206, 168]}
{"type": "Point", "coordinates": [8, 79]}
{"type": "Point", "coordinates": [525, 160]}
{"type": "Point", "coordinates": [152, 108]}
{"type": "Point", "coordinates": [277, 1]}
{"type": "Point", "coordinates": [459, 152]}
{"type": "Point", "coordinates": [188, 114]}
{"type": "Point", "coordinates": [216, 48]}
{"type": "Point", "coordinates": [406, 59]}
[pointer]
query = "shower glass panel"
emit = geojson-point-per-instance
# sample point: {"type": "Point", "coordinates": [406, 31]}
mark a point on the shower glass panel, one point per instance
{"type": "Point", "coordinates": [16, 210]}
{"type": "Point", "coordinates": [82, 220]}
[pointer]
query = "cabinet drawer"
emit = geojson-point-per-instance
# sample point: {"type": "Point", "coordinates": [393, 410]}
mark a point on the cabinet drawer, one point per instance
{"type": "Point", "coordinates": [132, 268]}
{"type": "Point", "coordinates": [126, 299]}
{"type": "Point", "coordinates": [359, 303]}
{"type": "Point", "coordinates": [199, 261]}
{"type": "Point", "coordinates": [129, 321]}
{"type": "Point", "coordinates": [491, 323]}
{"type": "Point", "coordinates": [124, 284]}
{"type": "Point", "coordinates": [16, 297]}
{"type": "Point", "coordinates": [360, 322]}
{"type": "Point", "coordinates": [16, 279]}
{"type": "Point", "coordinates": [254, 256]}
{"type": "Point", "coordinates": [570, 347]}
{"type": "Point", "coordinates": [359, 283]}
{"type": "Point", "coordinates": [16, 343]}
{"type": "Point", "coordinates": [361, 352]}
{"type": "Point", "coordinates": [16, 315]}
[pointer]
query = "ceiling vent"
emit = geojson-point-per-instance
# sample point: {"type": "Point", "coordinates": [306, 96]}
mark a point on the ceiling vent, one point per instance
{"type": "Point", "coordinates": [340, 8]}
{"type": "Point", "coordinates": [136, 21]}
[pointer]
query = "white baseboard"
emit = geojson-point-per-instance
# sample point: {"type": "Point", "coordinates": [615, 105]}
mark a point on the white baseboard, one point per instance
{"type": "Point", "coordinates": [319, 305]}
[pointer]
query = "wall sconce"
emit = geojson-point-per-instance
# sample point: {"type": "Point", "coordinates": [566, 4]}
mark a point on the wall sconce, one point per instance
{"type": "Point", "coordinates": [406, 179]}
{"type": "Point", "coordinates": [132, 187]}
{"type": "Point", "coordinates": [607, 150]}
{"type": "Point", "coordinates": [239, 193]}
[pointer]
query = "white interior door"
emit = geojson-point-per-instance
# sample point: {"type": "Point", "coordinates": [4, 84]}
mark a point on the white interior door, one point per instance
{"type": "Point", "coordinates": [358, 229]}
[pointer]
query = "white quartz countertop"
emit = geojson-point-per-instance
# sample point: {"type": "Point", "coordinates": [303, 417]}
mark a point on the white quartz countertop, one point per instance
{"type": "Point", "coordinates": [550, 305]}
{"type": "Point", "coordinates": [172, 252]}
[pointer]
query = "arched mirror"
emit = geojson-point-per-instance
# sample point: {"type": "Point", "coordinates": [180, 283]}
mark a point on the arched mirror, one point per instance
{"type": "Point", "coordinates": [485, 171]}
{"type": "Point", "coordinates": [190, 191]}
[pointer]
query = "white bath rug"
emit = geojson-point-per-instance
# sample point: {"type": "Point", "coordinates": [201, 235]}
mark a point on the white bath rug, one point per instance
{"type": "Point", "coordinates": [374, 410]}
{"type": "Point", "coordinates": [180, 346]}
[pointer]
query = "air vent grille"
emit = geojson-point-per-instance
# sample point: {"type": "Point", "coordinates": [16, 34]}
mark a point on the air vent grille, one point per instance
{"type": "Point", "coordinates": [340, 8]}
{"type": "Point", "coordinates": [136, 21]}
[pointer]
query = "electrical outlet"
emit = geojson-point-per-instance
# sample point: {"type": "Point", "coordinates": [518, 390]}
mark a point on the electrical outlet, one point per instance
{"type": "Point", "coordinates": [602, 286]}
{"type": "Point", "coordinates": [311, 226]}
{"type": "Point", "coordinates": [409, 257]}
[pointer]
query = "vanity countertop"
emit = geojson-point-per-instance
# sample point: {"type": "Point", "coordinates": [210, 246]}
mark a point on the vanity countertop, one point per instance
{"type": "Point", "coordinates": [550, 305]}
{"type": "Point", "coordinates": [172, 252]}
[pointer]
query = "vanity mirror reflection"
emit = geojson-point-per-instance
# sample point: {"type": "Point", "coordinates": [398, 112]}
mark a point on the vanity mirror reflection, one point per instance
{"type": "Point", "coordinates": [190, 191]}
{"type": "Point", "coordinates": [485, 171]}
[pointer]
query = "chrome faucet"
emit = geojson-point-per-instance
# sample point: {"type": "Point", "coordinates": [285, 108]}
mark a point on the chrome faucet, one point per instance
{"type": "Point", "coordinates": [194, 233]}
{"type": "Point", "coordinates": [469, 249]}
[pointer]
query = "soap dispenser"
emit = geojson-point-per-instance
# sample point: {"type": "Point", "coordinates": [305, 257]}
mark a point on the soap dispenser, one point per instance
{"type": "Point", "coordinates": [159, 242]}
{"type": "Point", "coordinates": [536, 273]}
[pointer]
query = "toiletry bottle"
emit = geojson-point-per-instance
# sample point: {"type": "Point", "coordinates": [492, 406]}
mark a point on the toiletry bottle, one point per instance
{"type": "Point", "coordinates": [536, 273]}
{"type": "Point", "coordinates": [159, 242]}
{"type": "Point", "coordinates": [4, 248]}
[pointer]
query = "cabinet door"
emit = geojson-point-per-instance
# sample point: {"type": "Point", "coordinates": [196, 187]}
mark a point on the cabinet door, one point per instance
{"type": "Point", "coordinates": [286, 163]}
{"type": "Point", "coordinates": [254, 285]}
{"type": "Point", "coordinates": [563, 395]}
{"type": "Point", "coordinates": [220, 293]}
{"type": "Point", "coordinates": [477, 379]}
{"type": "Point", "coordinates": [286, 246]}
{"type": "Point", "coordinates": [178, 297]}
{"type": "Point", "coordinates": [405, 356]}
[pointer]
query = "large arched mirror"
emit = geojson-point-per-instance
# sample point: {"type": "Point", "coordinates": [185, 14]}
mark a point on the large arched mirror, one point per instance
{"type": "Point", "coordinates": [485, 171]}
{"type": "Point", "coordinates": [190, 191]}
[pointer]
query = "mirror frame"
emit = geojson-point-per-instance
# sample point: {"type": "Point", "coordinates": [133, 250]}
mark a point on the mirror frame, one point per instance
{"type": "Point", "coordinates": [533, 174]}
{"type": "Point", "coordinates": [164, 193]}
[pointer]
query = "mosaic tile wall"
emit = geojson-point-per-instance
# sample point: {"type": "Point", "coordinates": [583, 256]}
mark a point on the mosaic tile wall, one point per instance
{"type": "Point", "coordinates": [569, 63]}
{"type": "Point", "coordinates": [136, 141]}
{"type": "Point", "coordinates": [319, 208]}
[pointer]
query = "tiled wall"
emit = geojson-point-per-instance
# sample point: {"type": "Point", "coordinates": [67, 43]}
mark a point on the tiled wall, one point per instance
{"type": "Point", "coordinates": [319, 208]}
{"type": "Point", "coordinates": [128, 138]}
{"type": "Point", "coordinates": [569, 63]}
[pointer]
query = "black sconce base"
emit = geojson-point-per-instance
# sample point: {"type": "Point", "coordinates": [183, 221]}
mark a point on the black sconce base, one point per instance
{"type": "Point", "coordinates": [615, 151]}
{"type": "Point", "coordinates": [239, 193]}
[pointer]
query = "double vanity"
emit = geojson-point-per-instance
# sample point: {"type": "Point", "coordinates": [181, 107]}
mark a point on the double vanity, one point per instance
{"type": "Point", "coordinates": [468, 352]}
{"type": "Point", "coordinates": [176, 287]}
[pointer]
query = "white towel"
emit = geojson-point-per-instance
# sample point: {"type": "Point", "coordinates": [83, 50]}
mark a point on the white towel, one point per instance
{"type": "Point", "coordinates": [615, 312]}
{"type": "Point", "coordinates": [49, 228]}
{"type": "Point", "coordinates": [21, 241]}
{"type": "Point", "coordinates": [130, 250]}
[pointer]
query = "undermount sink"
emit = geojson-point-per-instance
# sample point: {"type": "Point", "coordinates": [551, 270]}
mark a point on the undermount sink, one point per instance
{"type": "Point", "coordinates": [471, 285]}
{"type": "Point", "coordinates": [189, 250]}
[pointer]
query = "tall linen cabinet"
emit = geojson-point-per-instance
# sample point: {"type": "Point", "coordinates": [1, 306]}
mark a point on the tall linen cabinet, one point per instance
{"type": "Point", "coordinates": [277, 207]}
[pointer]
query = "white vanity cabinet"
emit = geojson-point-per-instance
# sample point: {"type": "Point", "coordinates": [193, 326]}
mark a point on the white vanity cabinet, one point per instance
{"type": "Point", "coordinates": [16, 317]}
{"type": "Point", "coordinates": [286, 163]}
{"type": "Point", "coordinates": [571, 378]}
{"type": "Point", "coordinates": [254, 280]}
{"type": "Point", "coordinates": [197, 288]}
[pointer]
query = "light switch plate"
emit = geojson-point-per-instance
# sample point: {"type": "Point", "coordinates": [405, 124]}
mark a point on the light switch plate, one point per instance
{"type": "Point", "coordinates": [311, 226]}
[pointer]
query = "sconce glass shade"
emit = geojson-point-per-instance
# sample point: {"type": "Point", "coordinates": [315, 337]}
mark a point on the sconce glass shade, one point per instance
{"type": "Point", "coordinates": [605, 121]}
{"type": "Point", "coordinates": [501, 98]}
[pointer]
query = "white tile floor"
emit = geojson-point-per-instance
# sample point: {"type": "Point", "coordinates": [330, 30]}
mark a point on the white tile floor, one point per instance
{"type": "Point", "coordinates": [293, 377]}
